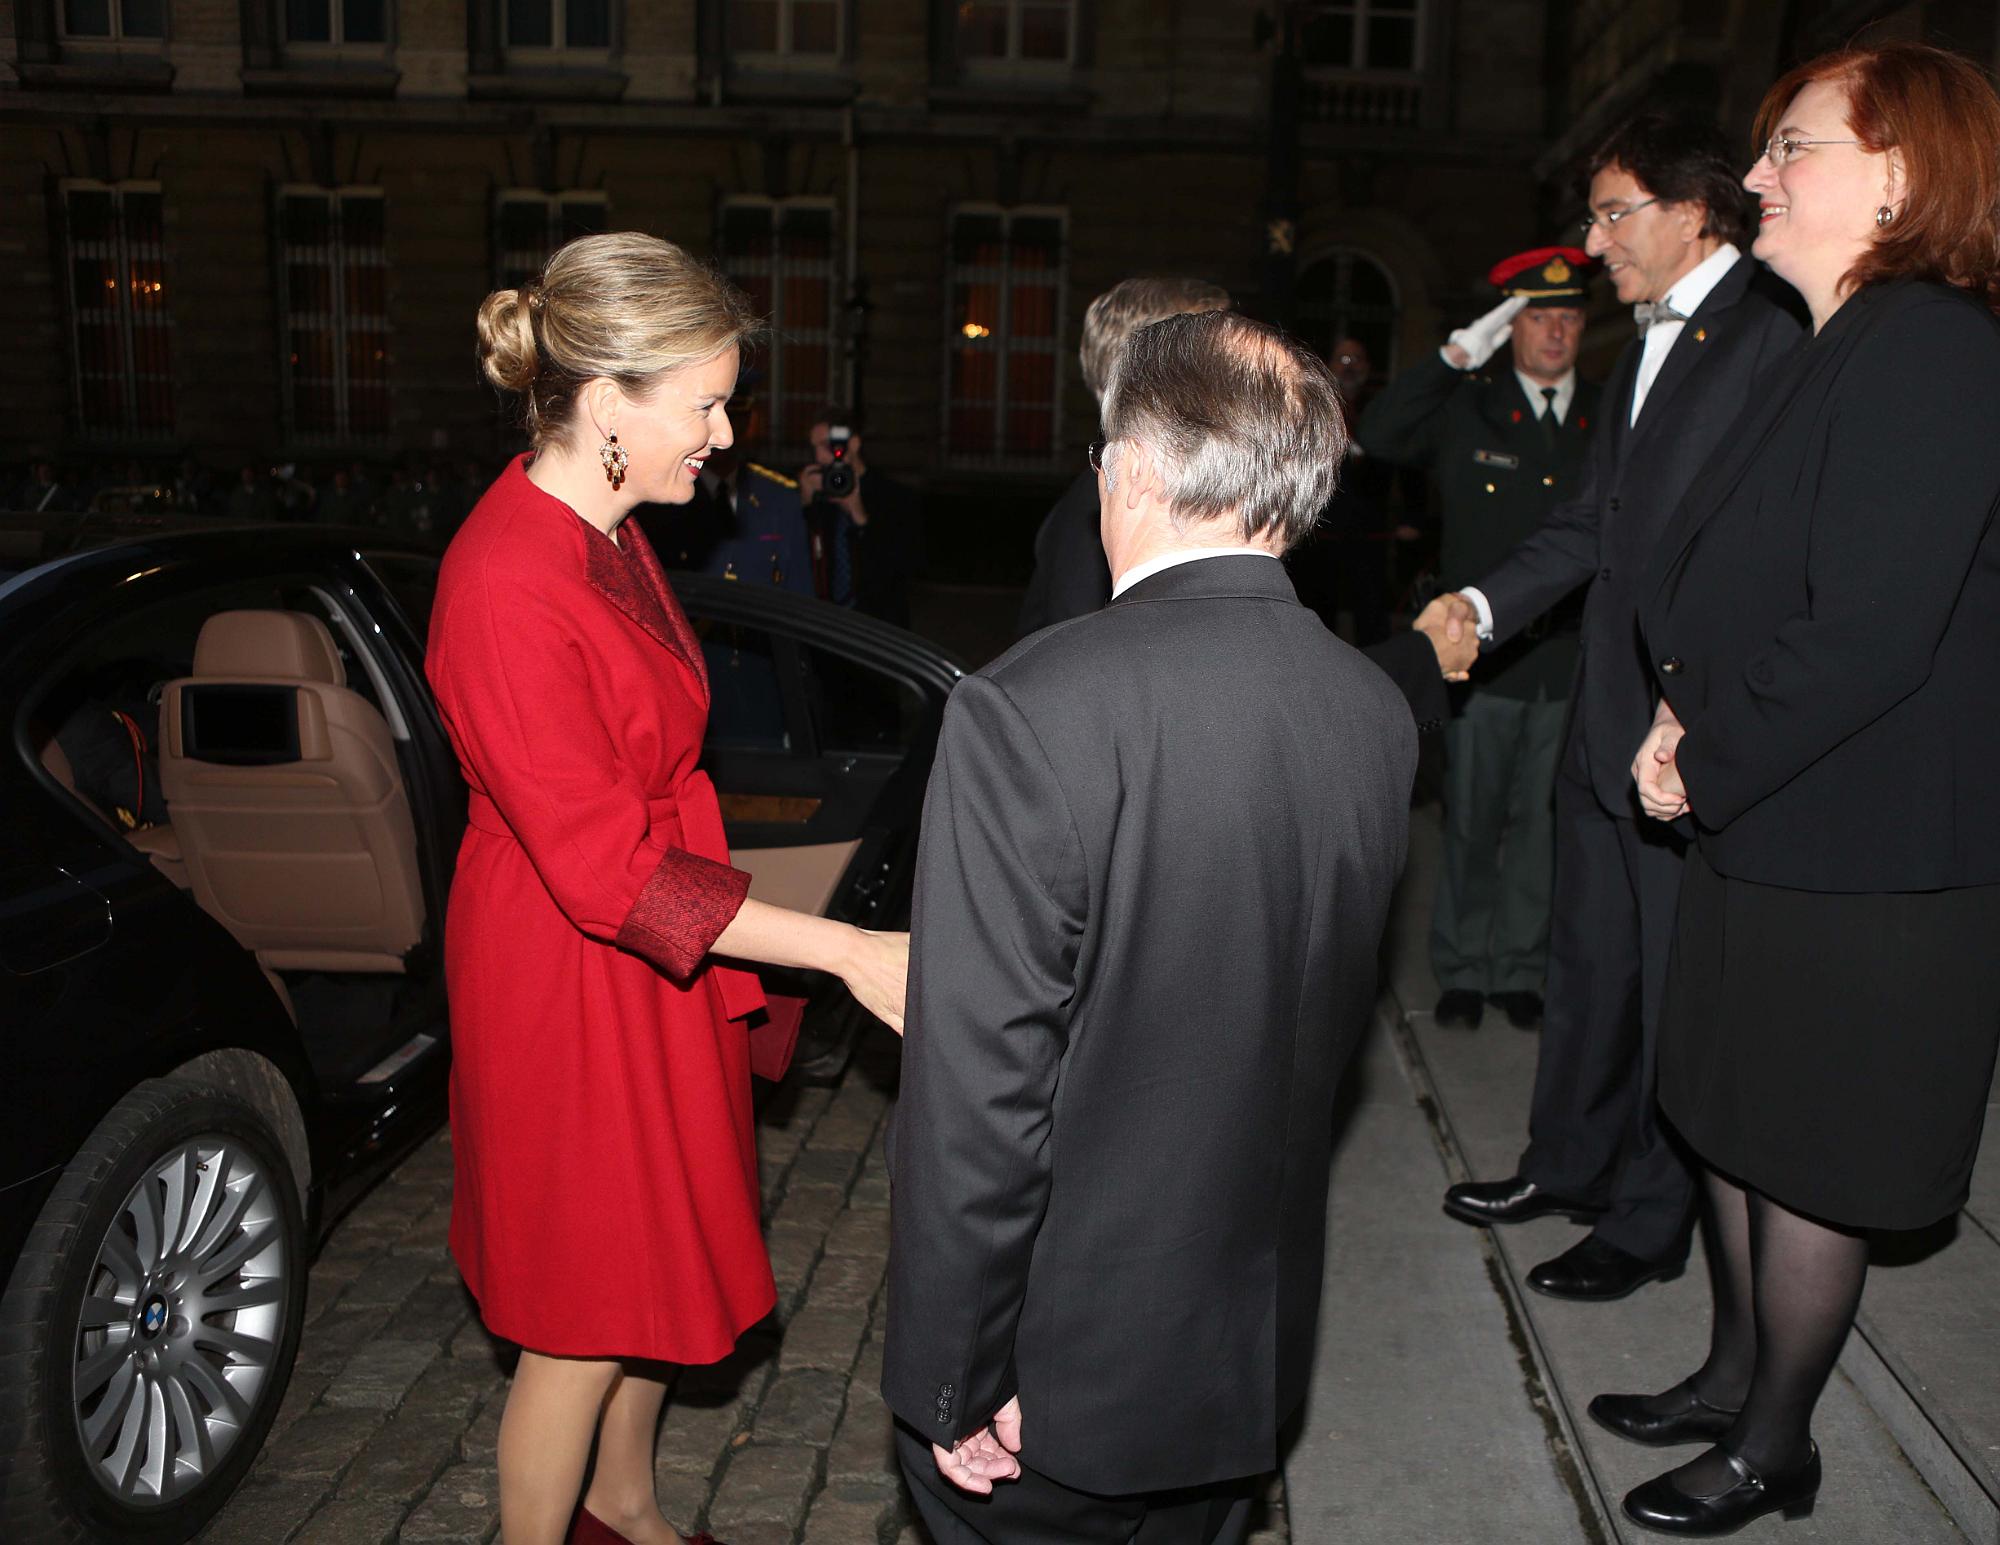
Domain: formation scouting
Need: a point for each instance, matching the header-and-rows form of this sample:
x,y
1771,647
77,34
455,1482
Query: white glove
x,y
1478,341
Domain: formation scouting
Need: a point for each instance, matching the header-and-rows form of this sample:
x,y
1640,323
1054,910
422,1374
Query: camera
x,y
837,477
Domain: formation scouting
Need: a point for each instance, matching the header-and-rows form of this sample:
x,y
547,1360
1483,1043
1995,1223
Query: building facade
x,y
259,229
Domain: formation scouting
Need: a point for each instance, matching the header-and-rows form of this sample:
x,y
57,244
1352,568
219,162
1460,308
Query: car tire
x,y
148,1330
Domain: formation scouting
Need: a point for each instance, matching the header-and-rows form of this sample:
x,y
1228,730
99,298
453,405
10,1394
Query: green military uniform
x,y
1500,473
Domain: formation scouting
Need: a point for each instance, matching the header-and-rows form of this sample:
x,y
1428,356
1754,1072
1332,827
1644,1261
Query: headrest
x,y
290,646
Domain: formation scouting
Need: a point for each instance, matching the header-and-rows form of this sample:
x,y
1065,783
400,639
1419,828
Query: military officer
x,y
745,521
1506,441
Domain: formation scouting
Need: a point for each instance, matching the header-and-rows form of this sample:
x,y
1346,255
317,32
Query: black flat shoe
x,y
1514,1200
1523,1009
1661,1505
1597,1271
1690,1419
1459,1006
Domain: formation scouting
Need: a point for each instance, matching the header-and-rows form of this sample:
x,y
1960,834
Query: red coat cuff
x,y
682,910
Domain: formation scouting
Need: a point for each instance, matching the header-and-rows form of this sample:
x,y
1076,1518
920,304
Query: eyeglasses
x,y
1610,217
1780,148
1096,454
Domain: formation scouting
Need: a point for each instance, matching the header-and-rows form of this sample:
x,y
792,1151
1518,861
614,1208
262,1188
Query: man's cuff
x,y
1485,609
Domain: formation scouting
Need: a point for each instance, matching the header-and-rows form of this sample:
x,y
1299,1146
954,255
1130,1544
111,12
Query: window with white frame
x,y
528,227
334,294
141,22
1363,35
784,31
120,335
781,254
558,26
1035,33
1347,294
1003,398
320,26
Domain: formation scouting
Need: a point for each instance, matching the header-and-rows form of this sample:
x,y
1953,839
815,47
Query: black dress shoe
x,y
1596,1270
1523,1009
1661,1505
1677,1415
1459,1006
1509,1201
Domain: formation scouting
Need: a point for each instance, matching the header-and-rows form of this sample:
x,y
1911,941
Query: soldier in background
x,y
1506,445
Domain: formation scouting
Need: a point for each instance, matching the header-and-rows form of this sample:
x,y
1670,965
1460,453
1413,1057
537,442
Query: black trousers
x,y
1594,1130
1035,1510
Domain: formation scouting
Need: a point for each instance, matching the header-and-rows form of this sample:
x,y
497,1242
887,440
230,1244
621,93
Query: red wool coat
x,y
605,1167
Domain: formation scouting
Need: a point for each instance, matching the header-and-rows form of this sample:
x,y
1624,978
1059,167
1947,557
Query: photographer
x,y
867,528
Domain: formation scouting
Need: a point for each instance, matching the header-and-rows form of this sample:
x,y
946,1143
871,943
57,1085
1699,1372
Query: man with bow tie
x,y
1669,220
1507,443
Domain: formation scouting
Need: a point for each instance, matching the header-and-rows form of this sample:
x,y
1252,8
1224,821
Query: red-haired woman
x,y
1824,619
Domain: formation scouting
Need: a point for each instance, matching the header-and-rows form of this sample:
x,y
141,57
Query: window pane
x,y
524,226
306,219
144,18
1392,42
747,231
1368,285
588,24
1329,40
982,30
976,240
531,23
581,217
857,708
1045,32
89,214
746,708
364,21
309,21
753,26
361,220
815,26
87,18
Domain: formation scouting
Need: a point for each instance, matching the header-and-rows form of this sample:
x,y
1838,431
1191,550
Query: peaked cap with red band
x,y
1547,276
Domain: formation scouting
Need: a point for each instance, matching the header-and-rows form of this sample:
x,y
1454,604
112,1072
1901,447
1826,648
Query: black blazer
x,y
1157,857
1824,610
1633,480
1072,577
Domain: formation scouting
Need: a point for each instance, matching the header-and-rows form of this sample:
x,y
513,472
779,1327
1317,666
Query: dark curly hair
x,y
1680,160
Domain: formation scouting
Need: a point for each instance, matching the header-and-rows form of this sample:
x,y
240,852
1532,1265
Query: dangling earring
x,y
612,454
1884,217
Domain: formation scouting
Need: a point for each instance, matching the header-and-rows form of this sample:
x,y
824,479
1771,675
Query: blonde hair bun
x,y
623,306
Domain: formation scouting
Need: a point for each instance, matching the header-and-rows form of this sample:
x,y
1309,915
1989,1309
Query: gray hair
x,y
1133,303
1241,419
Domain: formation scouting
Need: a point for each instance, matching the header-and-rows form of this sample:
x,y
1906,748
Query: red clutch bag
x,y
773,1036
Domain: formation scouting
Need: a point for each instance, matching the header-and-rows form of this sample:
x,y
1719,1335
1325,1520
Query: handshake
x,y
1451,623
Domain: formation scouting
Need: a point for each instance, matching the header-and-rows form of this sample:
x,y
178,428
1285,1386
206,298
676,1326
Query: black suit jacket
x,y
1156,860
1633,481
1072,577
1824,611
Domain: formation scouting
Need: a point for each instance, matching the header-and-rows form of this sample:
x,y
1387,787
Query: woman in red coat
x,y
605,1211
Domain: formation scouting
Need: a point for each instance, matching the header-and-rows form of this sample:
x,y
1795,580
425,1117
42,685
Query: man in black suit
x,y
1157,857
1669,221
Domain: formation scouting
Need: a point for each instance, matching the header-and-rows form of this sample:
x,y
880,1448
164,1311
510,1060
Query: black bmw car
x,y
224,859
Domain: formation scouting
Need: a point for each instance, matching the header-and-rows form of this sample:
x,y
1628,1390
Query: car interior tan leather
x,y
159,843
291,816
802,879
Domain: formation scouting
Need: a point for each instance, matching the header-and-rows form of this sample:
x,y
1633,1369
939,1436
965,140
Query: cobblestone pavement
x,y
387,1431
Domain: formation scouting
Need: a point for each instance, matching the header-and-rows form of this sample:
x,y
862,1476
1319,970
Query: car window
x,y
857,708
411,580
746,710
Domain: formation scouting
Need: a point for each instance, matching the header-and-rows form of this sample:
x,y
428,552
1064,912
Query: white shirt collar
x,y
1153,566
1565,393
1692,288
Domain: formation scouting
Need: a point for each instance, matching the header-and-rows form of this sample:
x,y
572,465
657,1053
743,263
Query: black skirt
x,y
1833,1051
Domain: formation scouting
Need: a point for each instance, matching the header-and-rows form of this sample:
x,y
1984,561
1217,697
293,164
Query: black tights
x,y
1786,1289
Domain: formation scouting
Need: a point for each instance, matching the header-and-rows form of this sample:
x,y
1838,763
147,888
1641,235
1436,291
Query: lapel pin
x,y
1701,335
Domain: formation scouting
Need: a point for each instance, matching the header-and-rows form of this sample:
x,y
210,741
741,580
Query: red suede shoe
x,y
588,1529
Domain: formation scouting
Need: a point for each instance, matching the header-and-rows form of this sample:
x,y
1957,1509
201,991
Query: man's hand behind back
x,y
987,1456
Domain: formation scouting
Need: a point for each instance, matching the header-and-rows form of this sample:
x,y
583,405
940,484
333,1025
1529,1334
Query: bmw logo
x,y
154,1318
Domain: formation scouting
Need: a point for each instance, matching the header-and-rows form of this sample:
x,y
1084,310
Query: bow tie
x,y
1647,312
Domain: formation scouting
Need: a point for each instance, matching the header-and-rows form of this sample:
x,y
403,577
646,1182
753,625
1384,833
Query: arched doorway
x,y
1343,293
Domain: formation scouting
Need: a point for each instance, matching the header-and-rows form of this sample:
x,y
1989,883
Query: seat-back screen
x,y
240,726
